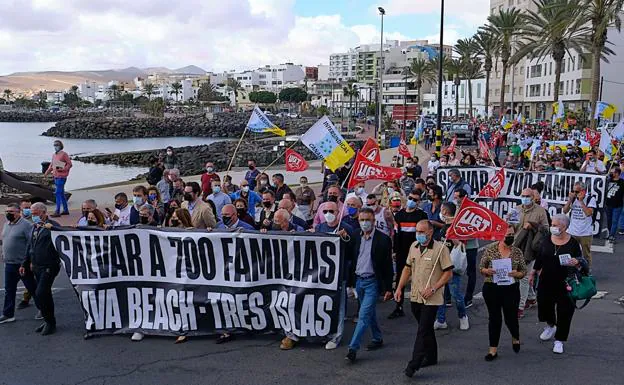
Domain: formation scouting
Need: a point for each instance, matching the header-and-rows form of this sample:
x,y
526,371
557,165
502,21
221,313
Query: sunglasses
x,y
328,211
414,199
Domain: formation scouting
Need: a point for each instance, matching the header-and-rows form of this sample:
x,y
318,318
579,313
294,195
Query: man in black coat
x,y
373,271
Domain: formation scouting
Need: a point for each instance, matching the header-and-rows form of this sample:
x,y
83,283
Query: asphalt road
x,y
594,354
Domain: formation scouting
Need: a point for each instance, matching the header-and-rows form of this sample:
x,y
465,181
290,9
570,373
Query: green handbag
x,y
581,287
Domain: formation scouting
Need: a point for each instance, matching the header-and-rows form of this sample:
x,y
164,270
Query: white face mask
x,y
329,217
245,189
555,230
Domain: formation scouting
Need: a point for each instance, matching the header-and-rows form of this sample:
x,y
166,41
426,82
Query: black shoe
x,y
374,345
223,338
491,357
516,347
426,363
351,355
409,371
398,312
48,329
40,328
23,305
65,213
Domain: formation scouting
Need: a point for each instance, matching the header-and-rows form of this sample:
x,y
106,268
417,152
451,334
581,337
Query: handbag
x,y
458,257
581,287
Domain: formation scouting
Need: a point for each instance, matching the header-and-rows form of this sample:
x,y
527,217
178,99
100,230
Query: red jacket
x,y
206,182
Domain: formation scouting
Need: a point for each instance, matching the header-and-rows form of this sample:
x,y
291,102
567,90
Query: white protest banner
x,y
557,187
172,281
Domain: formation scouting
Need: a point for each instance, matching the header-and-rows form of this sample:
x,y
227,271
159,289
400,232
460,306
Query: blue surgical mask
x,y
26,212
526,200
138,201
216,189
352,211
359,190
366,226
411,204
421,238
36,219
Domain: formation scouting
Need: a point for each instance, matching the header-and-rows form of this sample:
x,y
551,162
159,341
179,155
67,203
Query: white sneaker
x,y
440,325
4,319
330,345
558,347
548,333
463,323
137,336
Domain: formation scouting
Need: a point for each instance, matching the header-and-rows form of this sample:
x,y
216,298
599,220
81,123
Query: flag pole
x,y
612,156
345,198
279,156
236,150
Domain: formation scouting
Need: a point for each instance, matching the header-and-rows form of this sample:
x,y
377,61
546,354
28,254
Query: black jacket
x,y
381,250
41,251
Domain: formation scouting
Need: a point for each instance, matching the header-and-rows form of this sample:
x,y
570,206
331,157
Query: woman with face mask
x,y
501,290
59,168
560,257
95,218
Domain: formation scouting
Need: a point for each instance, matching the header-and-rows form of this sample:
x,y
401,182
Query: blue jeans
x,y
368,292
613,219
11,279
59,194
455,289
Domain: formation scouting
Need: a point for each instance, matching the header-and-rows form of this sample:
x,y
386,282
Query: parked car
x,y
463,132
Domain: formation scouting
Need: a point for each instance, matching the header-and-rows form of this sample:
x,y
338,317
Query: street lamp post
x,y
440,79
382,12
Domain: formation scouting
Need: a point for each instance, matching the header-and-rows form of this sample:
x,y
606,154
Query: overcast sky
x,y
38,35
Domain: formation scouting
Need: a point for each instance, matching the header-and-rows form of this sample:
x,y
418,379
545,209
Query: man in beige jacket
x,y
201,212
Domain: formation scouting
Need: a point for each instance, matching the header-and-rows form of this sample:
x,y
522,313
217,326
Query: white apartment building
x,y
87,90
394,91
188,91
323,72
450,92
247,79
276,77
342,66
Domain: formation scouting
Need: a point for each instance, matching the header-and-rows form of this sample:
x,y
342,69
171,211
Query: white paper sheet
x,y
503,268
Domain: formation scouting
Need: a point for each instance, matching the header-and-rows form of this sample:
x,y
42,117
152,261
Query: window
x,y
566,87
497,92
522,70
573,63
560,88
506,89
526,92
550,71
549,88
497,74
461,92
544,89
445,90
527,72
578,86
478,90
534,90
569,64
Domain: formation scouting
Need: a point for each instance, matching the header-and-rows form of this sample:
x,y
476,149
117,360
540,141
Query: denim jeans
x,y
526,290
613,219
454,285
59,193
11,279
368,292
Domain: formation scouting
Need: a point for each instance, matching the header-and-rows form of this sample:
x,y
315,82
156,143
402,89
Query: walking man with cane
x,y
429,266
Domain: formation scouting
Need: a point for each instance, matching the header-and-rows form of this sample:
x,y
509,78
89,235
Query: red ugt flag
x,y
494,186
484,149
364,169
451,147
371,150
295,162
403,149
474,221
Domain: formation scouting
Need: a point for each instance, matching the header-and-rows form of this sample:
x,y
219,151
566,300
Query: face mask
x,y
188,197
119,207
433,159
92,223
443,217
421,238
509,240
351,211
366,226
85,214
303,184
216,189
359,190
175,223
251,167
411,204
227,220
57,148
332,198
267,204
263,182
144,220
329,217
138,201
10,217
273,184
390,190
169,153
241,212
36,219
209,169
276,227
443,163
152,197
26,212
245,189
408,165
526,200
555,230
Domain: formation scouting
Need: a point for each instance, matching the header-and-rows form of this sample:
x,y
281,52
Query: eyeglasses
x,y
328,211
414,199
525,196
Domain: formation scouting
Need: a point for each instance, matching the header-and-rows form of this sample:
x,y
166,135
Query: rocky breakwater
x,y
193,158
223,125
47,116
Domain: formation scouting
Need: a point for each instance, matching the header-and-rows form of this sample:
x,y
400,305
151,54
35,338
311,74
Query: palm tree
x,y
113,92
42,99
467,49
487,48
7,95
74,90
176,87
603,14
422,70
455,68
556,28
504,27
148,88
350,90
234,86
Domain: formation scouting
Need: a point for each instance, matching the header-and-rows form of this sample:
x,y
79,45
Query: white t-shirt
x,y
580,224
433,166
123,215
595,167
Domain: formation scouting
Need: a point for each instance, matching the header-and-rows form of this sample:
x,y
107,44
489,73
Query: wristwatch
x,y
433,290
